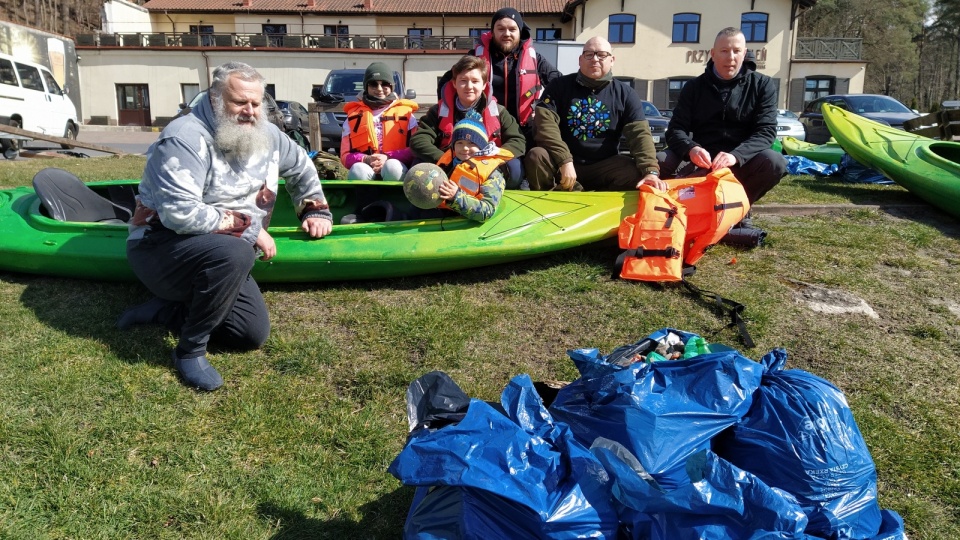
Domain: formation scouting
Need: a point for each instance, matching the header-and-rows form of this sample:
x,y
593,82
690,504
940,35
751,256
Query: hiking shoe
x,y
145,313
198,373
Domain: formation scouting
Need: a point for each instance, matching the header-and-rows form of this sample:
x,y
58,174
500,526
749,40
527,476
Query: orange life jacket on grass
x,y
673,229
395,121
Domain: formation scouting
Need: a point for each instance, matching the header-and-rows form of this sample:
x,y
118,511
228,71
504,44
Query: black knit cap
x,y
507,13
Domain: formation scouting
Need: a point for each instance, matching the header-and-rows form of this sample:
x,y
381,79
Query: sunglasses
x,y
380,84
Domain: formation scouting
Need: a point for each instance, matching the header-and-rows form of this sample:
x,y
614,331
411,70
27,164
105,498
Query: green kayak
x,y
527,224
928,168
830,152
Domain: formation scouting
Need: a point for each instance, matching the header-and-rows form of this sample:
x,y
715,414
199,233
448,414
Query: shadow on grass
x,y
600,254
891,199
89,309
382,518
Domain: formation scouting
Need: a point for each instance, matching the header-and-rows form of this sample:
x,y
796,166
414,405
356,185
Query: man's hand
x,y
266,244
653,181
700,157
448,190
723,160
568,176
316,227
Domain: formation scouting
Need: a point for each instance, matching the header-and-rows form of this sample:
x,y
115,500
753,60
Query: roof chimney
x,y
367,4
247,3
311,3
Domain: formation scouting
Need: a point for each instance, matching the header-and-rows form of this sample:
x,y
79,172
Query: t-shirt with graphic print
x,y
592,120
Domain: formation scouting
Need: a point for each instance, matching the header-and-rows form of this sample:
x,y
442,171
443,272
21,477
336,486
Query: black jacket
x,y
744,125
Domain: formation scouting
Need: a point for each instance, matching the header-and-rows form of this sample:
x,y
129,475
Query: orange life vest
x,y
673,229
446,113
395,121
472,173
529,86
653,238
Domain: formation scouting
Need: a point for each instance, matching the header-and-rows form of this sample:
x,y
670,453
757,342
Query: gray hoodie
x,y
190,187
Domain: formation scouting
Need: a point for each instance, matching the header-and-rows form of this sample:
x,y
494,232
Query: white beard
x,y
242,141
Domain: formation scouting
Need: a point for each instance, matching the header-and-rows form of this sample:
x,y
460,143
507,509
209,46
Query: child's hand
x,y
448,190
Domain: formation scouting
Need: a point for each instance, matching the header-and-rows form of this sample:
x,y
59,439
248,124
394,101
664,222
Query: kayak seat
x,y
375,212
66,198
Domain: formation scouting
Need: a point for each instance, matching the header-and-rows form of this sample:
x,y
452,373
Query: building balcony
x,y
276,41
818,48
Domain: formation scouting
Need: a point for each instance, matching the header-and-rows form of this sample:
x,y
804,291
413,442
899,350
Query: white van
x,y
31,99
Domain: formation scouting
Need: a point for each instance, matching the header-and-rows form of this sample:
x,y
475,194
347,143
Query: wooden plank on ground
x,y
60,140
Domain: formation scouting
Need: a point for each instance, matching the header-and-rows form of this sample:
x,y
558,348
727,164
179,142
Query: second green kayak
x,y
928,168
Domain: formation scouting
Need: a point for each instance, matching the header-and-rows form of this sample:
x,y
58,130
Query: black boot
x,y
146,313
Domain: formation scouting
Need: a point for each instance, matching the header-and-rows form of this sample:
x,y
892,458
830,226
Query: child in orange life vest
x,y
474,185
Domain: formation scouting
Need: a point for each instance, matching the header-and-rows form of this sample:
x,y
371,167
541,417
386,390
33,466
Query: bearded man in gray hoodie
x,y
201,220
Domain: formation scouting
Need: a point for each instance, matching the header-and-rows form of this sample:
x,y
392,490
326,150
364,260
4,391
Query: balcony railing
x,y
814,48
286,41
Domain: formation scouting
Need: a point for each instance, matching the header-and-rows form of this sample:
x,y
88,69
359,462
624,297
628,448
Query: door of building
x,y
133,105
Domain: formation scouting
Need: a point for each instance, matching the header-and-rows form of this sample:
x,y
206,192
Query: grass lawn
x,y
100,440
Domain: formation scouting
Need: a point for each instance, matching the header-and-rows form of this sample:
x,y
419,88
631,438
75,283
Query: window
x,y
52,86
188,92
341,30
686,28
7,75
754,27
673,91
275,33
205,31
817,87
30,77
415,37
548,34
622,28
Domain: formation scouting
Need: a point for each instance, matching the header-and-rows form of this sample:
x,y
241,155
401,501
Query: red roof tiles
x,y
437,7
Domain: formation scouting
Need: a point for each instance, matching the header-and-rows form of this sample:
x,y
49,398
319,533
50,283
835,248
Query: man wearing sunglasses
x,y
578,126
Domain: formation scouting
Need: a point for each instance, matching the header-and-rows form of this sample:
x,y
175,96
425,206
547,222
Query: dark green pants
x,y
617,173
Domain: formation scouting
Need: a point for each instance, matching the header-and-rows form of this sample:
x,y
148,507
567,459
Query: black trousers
x,y
206,278
757,176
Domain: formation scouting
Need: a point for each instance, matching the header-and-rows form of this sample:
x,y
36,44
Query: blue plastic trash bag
x,y
719,501
803,165
852,171
800,436
662,412
510,473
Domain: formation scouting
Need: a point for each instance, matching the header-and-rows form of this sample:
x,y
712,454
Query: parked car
x,y
658,124
880,108
658,127
295,116
788,125
31,99
667,112
342,86
270,106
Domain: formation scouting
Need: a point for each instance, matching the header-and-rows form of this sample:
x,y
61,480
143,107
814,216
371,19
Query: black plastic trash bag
x,y
719,501
800,436
510,473
662,412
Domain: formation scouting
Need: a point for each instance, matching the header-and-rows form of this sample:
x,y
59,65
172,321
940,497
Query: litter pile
x,y
666,438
